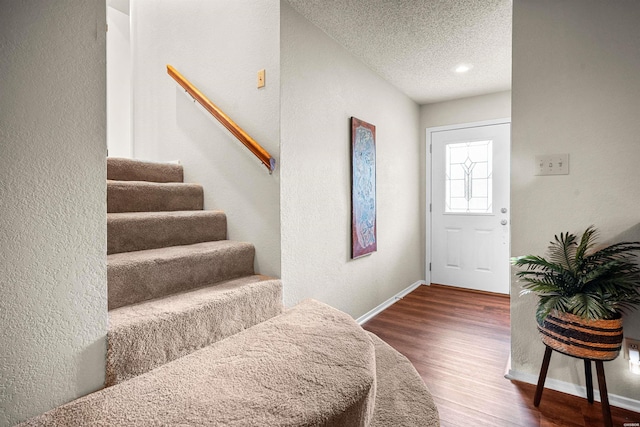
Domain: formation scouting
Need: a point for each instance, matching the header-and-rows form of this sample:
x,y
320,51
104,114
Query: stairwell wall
x,y
219,46
322,87
53,299
575,90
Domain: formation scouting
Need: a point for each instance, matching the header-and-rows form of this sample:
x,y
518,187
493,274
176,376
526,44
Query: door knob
x,y
503,210
503,222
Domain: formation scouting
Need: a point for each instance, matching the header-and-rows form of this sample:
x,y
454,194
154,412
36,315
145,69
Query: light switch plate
x,y
261,81
552,164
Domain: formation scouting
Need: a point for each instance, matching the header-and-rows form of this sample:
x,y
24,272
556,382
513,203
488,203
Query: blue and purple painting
x,y
363,188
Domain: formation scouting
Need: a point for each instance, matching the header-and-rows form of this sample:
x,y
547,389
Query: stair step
x,y
402,398
147,335
122,169
136,231
310,366
142,196
134,277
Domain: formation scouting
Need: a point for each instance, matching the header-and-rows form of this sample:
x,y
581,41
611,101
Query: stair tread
x,y
311,365
178,251
138,276
150,184
179,302
145,196
133,170
146,335
122,216
134,231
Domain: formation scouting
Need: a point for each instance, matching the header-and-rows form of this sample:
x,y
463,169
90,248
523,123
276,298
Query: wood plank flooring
x,y
458,341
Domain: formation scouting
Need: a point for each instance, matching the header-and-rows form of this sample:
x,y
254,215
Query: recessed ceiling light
x,y
463,68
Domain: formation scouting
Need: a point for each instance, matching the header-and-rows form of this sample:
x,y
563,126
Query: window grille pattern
x,y
469,170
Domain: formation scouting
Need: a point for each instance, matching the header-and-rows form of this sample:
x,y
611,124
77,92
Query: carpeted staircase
x,y
197,338
175,283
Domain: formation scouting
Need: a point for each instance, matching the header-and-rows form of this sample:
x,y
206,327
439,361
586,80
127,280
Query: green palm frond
x,y
623,250
586,242
563,251
590,306
576,278
533,262
548,303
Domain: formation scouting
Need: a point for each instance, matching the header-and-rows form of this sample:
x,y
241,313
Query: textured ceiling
x,y
416,44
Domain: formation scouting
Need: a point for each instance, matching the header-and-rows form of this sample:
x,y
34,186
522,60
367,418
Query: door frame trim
x,y
427,226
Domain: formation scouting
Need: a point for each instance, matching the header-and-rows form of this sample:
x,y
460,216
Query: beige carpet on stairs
x,y
138,196
122,169
142,275
197,339
311,366
175,283
137,231
402,399
185,322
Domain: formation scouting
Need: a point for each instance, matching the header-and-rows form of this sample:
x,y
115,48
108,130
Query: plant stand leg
x,y
604,398
543,376
589,378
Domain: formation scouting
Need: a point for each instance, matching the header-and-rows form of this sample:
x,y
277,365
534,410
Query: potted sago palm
x,y
582,293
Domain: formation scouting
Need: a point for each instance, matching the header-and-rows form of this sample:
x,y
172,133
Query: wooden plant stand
x,y
602,385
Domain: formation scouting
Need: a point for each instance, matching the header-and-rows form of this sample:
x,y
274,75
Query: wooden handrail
x,y
231,126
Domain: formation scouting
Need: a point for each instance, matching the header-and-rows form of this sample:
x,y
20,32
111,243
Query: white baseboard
x,y
379,309
573,389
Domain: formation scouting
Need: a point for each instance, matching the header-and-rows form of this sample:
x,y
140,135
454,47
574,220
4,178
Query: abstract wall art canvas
x,y
363,188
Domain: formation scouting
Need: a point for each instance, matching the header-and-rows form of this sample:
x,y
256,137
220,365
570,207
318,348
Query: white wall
x,y
575,90
458,111
322,87
118,79
466,110
53,312
219,46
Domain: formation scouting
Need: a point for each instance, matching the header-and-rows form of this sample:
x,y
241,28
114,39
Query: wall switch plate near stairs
x,y
552,164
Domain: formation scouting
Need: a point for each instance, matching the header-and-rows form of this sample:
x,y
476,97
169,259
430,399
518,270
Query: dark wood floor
x,y
459,342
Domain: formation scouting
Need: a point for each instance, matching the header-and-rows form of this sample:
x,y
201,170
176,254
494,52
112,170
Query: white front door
x,y
470,207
